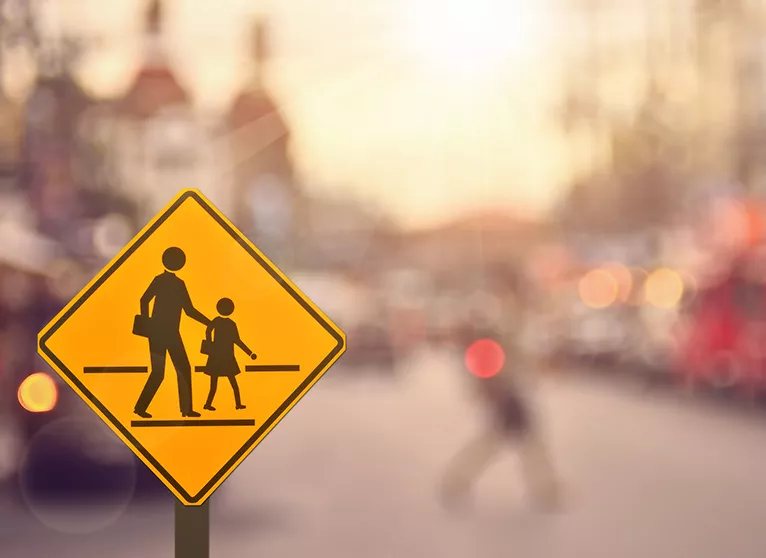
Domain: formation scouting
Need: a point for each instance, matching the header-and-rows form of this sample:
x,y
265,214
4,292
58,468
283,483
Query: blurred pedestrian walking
x,y
507,397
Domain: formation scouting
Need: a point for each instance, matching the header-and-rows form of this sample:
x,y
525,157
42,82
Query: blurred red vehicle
x,y
721,338
718,339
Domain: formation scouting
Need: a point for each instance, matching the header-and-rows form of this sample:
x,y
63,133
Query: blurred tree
x,y
642,180
650,160
17,31
750,87
730,38
271,203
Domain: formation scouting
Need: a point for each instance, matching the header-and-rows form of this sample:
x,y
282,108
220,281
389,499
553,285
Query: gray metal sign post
x,y
192,530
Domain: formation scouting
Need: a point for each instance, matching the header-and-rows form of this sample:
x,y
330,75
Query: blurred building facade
x,y
459,253
161,142
132,154
66,172
348,235
271,203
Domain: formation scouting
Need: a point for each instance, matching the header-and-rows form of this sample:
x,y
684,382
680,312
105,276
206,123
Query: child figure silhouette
x,y
222,335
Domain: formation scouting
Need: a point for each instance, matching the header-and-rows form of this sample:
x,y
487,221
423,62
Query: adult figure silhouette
x,y
171,298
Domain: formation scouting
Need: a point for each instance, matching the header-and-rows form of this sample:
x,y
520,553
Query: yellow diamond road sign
x,y
191,345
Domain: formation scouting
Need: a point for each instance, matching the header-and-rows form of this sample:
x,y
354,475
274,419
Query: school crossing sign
x,y
191,345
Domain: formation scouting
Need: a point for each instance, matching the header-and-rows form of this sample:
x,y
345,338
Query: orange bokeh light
x,y
598,288
38,393
664,288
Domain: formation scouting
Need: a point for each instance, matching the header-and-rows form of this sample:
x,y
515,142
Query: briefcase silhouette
x,y
207,347
142,326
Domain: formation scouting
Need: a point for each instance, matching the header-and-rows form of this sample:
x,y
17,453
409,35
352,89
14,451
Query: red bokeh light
x,y
484,358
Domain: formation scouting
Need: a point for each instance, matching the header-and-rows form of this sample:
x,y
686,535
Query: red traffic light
x,y
484,358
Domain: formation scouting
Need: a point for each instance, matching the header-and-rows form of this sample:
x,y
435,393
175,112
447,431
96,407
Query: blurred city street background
x,y
386,154
351,472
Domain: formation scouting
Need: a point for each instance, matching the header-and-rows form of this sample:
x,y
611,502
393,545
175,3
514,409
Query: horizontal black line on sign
x,y
192,422
145,369
115,369
264,368
273,368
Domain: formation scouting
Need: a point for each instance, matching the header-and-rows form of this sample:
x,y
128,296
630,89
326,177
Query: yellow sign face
x,y
191,345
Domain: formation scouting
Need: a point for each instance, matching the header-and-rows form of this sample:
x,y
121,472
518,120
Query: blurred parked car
x,y
370,347
589,332
598,335
67,450
60,446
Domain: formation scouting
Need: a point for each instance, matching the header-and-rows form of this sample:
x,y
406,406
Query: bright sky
x,y
428,107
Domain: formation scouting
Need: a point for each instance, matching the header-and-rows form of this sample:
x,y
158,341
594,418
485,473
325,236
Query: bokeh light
x,y
624,279
110,234
598,288
484,358
664,288
38,393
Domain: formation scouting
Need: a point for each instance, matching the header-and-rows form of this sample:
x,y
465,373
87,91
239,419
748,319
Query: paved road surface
x,y
350,473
